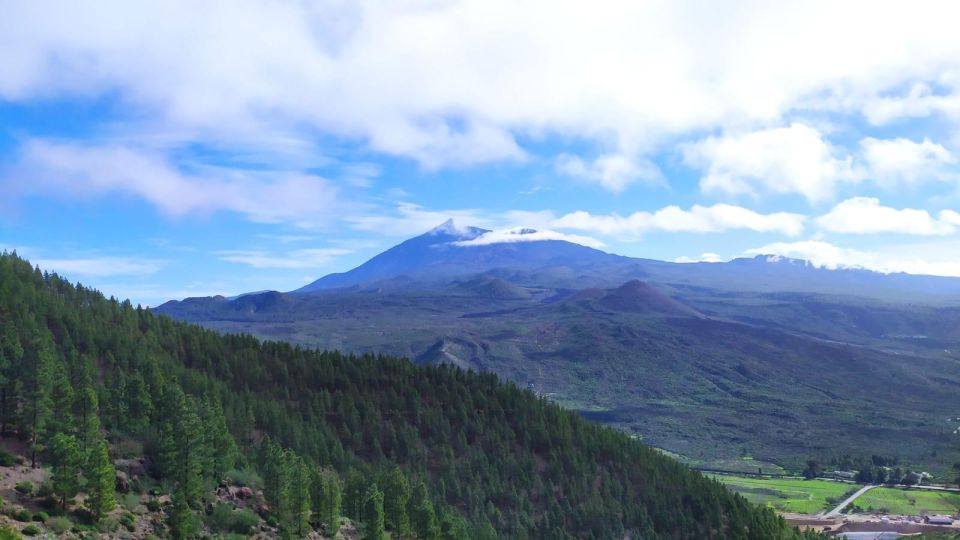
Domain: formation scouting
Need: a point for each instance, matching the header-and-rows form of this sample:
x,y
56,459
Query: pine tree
x,y
423,519
116,412
167,452
61,401
453,527
222,445
183,522
396,495
138,404
374,528
36,382
276,480
326,496
300,503
101,480
66,459
86,411
11,356
187,453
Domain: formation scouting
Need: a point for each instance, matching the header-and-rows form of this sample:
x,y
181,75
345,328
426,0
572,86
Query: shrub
x,y
41,517
9,533
128,520
22,515
107,525
244,477
59,524
225,518
221,518
7,459
244,521
30,530
129,500
24,487
45,489
153,505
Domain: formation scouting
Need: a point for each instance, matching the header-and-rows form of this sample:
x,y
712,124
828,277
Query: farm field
x,y
909,501
787,495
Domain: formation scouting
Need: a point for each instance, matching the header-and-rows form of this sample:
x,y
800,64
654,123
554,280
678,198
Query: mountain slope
x,y
654,346
450,250
708,388
499,461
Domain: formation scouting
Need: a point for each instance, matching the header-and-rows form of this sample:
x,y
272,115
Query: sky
x,y
160,150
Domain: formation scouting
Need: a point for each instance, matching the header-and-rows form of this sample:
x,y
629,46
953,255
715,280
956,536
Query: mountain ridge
x,y
449,251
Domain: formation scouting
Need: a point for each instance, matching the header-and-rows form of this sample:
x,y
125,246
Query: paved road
x,y
836,511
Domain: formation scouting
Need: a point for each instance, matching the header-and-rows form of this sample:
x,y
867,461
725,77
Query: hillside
x,y
435,450
708,375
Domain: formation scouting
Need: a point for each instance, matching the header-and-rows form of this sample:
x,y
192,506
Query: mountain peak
x,y
453,228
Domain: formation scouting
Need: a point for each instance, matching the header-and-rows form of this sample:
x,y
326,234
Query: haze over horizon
x,y
158,151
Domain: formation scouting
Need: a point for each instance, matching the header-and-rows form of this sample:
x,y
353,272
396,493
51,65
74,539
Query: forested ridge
x,y
409,451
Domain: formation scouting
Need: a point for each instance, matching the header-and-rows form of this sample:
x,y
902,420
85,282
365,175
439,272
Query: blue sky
x,y
164,151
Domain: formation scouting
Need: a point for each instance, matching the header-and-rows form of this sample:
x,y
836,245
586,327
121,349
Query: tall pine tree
x,y
373,525
101,480
66,458
423,519
396,495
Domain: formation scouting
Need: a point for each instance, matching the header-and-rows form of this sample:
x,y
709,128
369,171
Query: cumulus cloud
x,y
793,159
865,215
612,171
892,162
698,219
506,236
826,255
460,82
67,169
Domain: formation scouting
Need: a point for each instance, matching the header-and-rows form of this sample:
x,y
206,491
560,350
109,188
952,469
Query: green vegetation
x,y
493,460
782,388
909,501
787,495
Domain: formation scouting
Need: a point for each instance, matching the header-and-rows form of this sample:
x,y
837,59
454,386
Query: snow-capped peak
x,y
452,228
525,234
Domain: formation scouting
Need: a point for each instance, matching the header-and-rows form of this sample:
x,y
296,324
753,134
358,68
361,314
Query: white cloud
x,y
698,219
825,255
458,82
412,219
865,215
505,236
794,159
704,257
612,171
892,162
919,101
299,258
100,266
91,171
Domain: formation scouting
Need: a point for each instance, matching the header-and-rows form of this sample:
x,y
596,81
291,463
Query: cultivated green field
x,y
800,496
909,501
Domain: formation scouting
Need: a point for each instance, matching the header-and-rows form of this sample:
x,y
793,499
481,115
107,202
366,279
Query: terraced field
x,y
799,496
